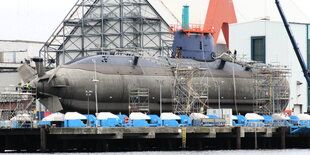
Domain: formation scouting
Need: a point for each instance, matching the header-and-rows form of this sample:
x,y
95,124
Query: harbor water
x,y
219,152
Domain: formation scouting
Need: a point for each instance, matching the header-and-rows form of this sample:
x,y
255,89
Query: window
x,y
258,46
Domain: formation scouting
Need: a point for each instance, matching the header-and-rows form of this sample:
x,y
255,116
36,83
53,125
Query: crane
x,y
294,43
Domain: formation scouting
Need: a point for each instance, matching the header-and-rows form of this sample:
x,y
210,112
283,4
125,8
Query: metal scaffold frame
x,y
139,100
108,27
270,82
271,89
190,89
13,103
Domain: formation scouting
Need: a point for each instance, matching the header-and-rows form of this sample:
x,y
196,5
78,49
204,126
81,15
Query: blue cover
x,y
92,120
122,118
139,123
294,120
240,121
170,123
197,122
110,122
253,123
46,123
22,124
268,120
74,123
212,116
185,120
155,121
301,129
304,122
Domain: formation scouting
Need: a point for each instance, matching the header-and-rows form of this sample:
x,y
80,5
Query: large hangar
x,y
110,26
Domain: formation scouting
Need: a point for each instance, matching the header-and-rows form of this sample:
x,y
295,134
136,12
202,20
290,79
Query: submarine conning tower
x,y
191,45
192,41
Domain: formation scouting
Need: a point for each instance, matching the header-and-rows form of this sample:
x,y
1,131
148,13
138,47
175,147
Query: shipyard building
x,y
14,53
267,41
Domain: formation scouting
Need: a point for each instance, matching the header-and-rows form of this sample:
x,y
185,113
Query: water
x,y
220,152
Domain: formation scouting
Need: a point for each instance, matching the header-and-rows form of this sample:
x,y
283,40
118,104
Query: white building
x,y
15,51
267,41
13,54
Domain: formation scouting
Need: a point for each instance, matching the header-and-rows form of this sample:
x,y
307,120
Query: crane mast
x,y
294,43
302,63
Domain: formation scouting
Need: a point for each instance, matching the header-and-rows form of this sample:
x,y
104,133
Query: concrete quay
x,y
103,139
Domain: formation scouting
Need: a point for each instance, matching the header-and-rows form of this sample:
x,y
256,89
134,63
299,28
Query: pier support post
x,y
282,134
199,145
42,139
270,143
183,138
238,137
2,143
139,147
229,144
106,146
170,145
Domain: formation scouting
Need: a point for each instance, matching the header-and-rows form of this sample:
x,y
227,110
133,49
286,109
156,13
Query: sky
x,y
31,19
37,19
246,10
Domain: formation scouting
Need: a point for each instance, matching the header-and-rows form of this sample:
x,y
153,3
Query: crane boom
x,y
294,43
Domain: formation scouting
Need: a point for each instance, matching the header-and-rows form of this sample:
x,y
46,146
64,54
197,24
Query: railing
x,y
197,28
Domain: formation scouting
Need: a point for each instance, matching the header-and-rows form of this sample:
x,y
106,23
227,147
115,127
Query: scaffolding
x,y
190,88
108,27
15,102
271,89
271,92
139,100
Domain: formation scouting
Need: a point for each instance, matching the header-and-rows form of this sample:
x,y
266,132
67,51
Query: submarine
x,y
63,88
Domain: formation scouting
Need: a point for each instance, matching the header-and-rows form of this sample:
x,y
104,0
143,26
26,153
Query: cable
x,y
235,91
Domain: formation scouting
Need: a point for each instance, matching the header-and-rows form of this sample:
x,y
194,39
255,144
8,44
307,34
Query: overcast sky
x,y
37,19
31,19
246,10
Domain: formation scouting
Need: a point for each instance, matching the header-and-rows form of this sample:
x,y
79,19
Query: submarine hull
x,y
115,81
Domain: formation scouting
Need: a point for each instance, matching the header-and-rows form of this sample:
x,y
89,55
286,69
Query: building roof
x,y
23,41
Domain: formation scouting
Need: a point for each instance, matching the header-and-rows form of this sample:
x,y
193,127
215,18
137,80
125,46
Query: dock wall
x,y
149,139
